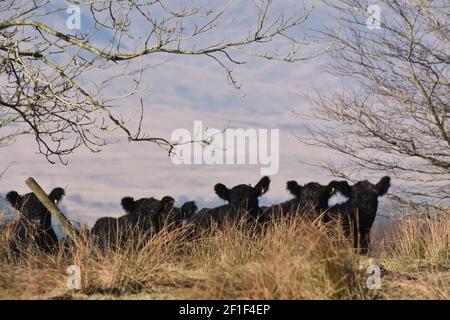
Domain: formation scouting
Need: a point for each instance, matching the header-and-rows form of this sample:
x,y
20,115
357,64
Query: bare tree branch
x,y
393,115
50,76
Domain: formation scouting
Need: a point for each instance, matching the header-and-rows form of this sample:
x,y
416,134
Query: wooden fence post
x,y
53,209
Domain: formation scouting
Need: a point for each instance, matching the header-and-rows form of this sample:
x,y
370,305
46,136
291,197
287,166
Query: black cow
x,y
179,217
35,223
142,218
309,200
145,217
242,201
365,204
357,214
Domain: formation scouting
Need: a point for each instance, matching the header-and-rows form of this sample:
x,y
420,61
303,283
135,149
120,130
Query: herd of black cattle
x,y
354,206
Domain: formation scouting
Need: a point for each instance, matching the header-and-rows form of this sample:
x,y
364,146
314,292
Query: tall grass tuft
x,y
290,259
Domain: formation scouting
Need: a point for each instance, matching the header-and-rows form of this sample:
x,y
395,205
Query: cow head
x,y
244,197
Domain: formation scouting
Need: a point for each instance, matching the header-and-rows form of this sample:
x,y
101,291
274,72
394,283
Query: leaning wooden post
x,y
52,208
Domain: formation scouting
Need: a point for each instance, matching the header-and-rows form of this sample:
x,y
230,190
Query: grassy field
x,y
291,260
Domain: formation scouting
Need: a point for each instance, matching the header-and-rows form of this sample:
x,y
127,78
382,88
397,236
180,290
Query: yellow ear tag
x,y
333,189
262,189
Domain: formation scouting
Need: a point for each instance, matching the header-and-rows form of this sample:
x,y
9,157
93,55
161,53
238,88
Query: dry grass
x,y
293,259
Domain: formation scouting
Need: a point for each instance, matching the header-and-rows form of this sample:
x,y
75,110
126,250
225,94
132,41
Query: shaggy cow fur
x,y
242,200
179,217
309,200
35,221
148,213
142,217
146,216
365,203
358,214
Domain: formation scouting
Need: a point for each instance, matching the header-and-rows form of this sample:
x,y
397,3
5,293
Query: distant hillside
x,y
7,213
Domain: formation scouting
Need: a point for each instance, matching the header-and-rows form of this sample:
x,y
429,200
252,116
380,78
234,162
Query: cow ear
x,y
222,191
168,203
56,194
12,197
294,188
383,186
128,204
262,186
